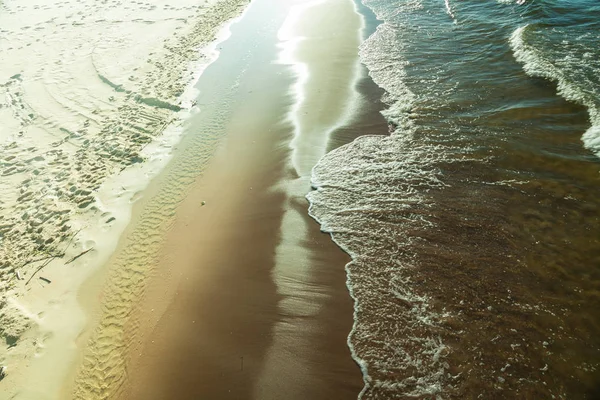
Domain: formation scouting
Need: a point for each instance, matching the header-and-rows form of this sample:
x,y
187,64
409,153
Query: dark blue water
x,y
475,227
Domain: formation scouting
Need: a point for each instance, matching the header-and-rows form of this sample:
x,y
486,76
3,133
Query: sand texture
x,y
240,296
86,91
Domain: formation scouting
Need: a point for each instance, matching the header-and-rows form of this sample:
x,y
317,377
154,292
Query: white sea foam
x,y
375,197
519,2
568,74
383,58
449,10
357,185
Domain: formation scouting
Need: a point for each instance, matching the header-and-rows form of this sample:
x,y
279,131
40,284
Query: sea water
x,y
474,226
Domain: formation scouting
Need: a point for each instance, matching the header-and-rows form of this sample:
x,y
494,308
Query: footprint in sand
x,y
40,344
136,196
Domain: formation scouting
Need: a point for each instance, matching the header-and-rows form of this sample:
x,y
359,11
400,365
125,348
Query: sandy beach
x,y
244,296
170,229
237,294
92,98
298,199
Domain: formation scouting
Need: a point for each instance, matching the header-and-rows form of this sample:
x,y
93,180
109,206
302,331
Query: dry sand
x,y
242,297
90,98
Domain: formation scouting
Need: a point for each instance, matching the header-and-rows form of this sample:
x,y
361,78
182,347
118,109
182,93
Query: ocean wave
x,y
441,275
570,64
371,196
386,67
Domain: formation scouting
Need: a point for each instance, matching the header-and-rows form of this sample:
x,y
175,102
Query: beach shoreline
x,y
239,250
231,171
298,199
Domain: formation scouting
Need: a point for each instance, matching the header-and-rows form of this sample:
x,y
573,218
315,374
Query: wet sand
x,y
239,295
225,332
219,260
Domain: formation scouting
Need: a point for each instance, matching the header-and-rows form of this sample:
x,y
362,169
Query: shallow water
x,y
474,227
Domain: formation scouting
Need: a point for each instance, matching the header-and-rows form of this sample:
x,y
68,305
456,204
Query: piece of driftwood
x,y
79,255
51,257
70,241
45,279
2,372
39,259
39,269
